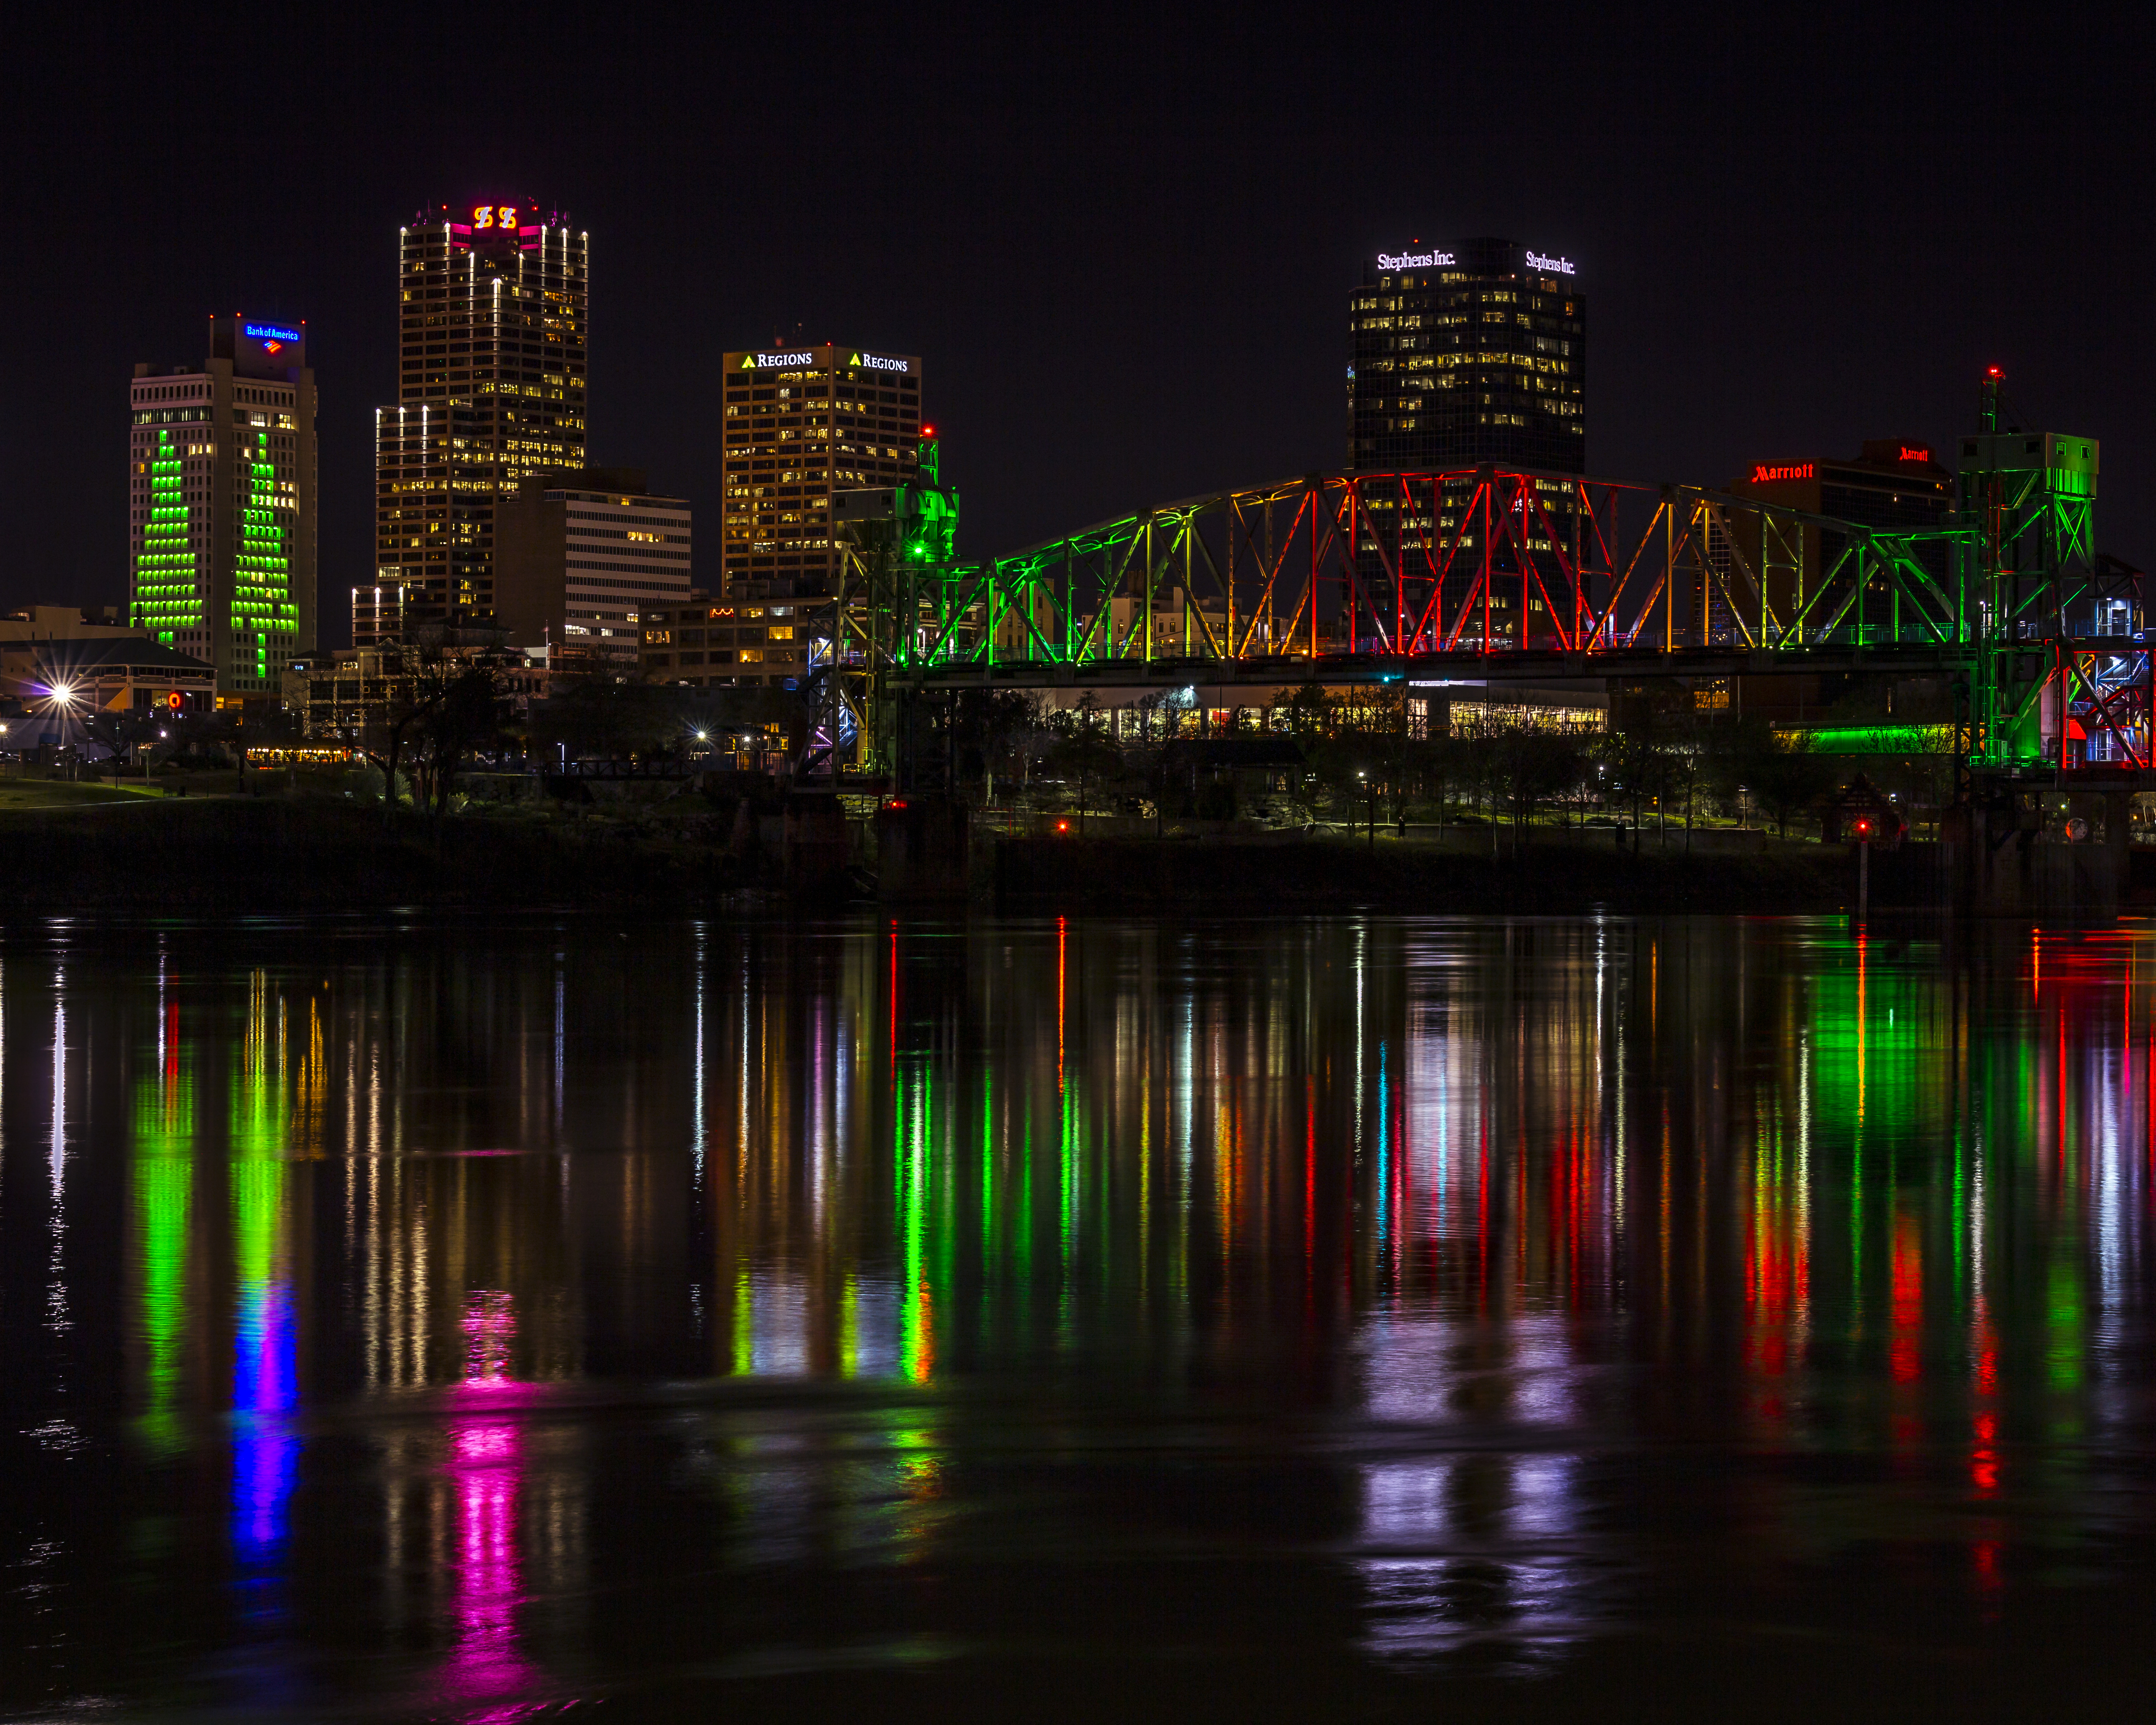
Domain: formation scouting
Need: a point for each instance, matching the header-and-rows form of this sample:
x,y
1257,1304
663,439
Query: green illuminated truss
x,y
1456,570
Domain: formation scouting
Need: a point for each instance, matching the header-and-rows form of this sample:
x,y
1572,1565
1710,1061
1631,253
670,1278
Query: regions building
x,y
581,555
1470,352
492,300
221,504
800,423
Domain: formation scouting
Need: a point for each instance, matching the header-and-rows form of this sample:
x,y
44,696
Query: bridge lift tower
x,y
895,594
2056,672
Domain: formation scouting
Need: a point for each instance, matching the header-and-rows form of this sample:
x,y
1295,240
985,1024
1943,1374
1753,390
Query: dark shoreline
x,y
241,856
1555,878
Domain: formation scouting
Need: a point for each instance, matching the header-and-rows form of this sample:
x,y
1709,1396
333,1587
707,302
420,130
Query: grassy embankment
x,y
86,847
89,847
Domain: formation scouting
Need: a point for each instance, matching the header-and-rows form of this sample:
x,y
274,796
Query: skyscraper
x,y
1472,352
493,301
800,423
221,499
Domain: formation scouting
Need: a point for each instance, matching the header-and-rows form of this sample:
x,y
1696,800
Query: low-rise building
x,y
63,663
337,696
712,645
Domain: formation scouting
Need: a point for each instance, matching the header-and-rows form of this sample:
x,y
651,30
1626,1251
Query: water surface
x,y
1382,1317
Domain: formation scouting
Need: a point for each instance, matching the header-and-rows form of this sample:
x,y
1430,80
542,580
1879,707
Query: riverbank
x,y
1336,874
243,855
239,855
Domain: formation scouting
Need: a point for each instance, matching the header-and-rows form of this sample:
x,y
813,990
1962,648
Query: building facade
x,y
1470,352
337,695
737,644
1897,485
222,503
801,422
580,556
493,302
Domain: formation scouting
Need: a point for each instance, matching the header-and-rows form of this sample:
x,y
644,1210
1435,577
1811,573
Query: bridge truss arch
x,y
1486,569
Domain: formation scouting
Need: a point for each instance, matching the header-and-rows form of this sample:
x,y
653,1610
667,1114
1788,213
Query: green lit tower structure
x,y
2028,503
897,610
221,499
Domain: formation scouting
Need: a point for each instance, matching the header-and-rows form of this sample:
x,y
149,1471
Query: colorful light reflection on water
x,y
1428,1300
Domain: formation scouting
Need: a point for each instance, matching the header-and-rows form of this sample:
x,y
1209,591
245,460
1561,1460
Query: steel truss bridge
x,y
1494,574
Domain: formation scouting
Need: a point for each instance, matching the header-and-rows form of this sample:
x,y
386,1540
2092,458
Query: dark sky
x,y
1123,241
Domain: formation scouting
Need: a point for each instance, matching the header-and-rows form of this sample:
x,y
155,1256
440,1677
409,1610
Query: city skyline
x,y
1138,301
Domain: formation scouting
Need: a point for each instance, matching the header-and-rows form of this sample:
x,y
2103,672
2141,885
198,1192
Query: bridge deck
x,y
1278,670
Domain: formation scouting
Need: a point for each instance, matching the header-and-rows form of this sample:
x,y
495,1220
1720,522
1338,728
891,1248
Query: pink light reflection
x,y
485,1669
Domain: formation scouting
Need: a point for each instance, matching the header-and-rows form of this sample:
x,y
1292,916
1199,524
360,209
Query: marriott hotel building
x,y
1463,353
801,422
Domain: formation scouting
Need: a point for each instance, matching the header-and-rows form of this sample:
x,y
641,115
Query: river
x,y
480,1319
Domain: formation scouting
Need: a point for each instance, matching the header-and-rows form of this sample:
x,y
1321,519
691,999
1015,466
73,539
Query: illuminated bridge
x,y
1488,573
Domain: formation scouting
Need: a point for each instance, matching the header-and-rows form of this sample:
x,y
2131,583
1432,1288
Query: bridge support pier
x,y
2039,853
924,849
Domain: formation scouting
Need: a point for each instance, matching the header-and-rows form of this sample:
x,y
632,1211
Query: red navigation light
x,y
1063,826
898,802
1995,372
928,431
1863,828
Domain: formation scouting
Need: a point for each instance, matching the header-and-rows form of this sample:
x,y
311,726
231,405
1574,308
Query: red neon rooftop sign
x,y
1762,474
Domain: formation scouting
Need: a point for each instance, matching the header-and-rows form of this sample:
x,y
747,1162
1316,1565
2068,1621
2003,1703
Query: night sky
x,y
1123,243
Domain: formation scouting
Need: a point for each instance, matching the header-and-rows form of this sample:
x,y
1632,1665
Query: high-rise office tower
x,y
800,423
221,496
1472,352
492,300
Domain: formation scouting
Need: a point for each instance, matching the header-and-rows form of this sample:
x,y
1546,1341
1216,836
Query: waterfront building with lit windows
x,y
580,556
732,645
800,423
492,300
221,503
1468,352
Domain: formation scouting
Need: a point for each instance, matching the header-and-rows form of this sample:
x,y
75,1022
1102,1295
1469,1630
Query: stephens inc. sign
x,y
1557,266
1414,260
